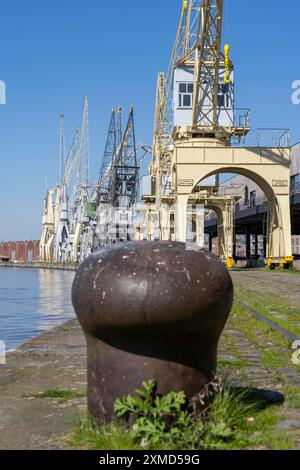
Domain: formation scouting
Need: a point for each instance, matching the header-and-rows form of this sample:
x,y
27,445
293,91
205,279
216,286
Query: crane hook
x,y
227,78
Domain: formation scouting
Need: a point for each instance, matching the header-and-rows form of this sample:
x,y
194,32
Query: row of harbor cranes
x,y
198,132
80,216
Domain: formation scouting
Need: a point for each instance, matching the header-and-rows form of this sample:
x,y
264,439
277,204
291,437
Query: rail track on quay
x,y
256,348
266,311
274,326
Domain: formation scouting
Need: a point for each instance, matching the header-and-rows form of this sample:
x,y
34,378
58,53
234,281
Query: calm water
x,y
32,301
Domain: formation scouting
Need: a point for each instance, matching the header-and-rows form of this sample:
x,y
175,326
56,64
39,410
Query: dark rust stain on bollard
x,y
150,310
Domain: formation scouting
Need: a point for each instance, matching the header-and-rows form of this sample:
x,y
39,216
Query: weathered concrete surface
x,y
55,360
59,266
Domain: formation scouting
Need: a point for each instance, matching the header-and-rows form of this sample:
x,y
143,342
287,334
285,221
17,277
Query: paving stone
x,y
288,424
268,282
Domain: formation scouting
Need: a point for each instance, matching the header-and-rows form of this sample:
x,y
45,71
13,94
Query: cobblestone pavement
x,y
56,360
283,285
255,373
263,380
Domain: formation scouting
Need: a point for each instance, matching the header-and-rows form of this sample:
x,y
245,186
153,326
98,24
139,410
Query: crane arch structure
x,y
199,132
195,160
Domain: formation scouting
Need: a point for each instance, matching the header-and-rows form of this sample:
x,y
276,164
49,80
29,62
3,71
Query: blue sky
x,y
53,53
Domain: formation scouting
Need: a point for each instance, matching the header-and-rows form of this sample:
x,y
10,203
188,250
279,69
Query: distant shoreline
x,y
57,266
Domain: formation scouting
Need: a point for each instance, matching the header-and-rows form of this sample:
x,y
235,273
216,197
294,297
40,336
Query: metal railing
x,y
265,137
242,117
243,205
231,190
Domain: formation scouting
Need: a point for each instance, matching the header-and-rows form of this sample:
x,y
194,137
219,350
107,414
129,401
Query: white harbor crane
x,y
63,211
108,213
76,219
63,238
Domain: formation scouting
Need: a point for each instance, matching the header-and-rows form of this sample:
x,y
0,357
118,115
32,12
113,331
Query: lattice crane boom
x,y
84,145
82,176
119,128
124,172
109,154
208,58
197,52
73,156
62,148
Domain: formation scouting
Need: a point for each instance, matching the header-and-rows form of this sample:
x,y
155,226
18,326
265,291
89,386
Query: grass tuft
x,y
88,434
234,420
60,394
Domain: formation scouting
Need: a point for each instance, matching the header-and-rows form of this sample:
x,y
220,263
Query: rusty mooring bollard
x,y
150,310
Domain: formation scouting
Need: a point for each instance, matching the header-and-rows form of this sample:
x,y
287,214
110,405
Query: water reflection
x,y
32,301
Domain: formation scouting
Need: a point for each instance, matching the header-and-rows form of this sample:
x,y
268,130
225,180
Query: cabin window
x,y
224,96
294,182
186,95
221,101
